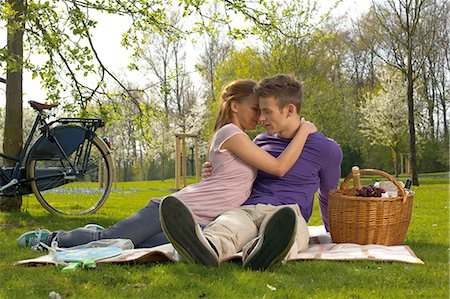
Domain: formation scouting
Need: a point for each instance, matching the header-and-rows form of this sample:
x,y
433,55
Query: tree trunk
x,y
394,152
429,90
412,129
444,103
410,97
12,136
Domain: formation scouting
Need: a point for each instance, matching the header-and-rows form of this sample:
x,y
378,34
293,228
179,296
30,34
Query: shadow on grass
x,y
17,220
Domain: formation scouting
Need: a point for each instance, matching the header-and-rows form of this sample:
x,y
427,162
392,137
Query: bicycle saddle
x,y
41,106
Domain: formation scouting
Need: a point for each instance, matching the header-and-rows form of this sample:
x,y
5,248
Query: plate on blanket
x,y
161,253
95,254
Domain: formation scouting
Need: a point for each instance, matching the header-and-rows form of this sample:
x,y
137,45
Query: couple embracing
x,y
257,197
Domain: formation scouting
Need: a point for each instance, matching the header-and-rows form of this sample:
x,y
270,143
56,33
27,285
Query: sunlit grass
x,y
428,236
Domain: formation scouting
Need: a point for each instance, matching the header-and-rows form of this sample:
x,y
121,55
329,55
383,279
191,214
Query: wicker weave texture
x,y
369,220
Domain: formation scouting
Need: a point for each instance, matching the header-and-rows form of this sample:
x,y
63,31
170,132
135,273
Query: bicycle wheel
x,y
77,190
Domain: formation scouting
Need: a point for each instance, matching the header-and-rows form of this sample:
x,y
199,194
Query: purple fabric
x,y
318,168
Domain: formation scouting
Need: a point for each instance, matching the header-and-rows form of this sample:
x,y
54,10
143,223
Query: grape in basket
x,y
369,191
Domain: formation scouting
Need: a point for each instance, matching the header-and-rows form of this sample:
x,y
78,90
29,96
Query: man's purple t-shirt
x,y
318,168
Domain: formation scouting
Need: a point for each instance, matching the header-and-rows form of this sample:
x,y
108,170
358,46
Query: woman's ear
x,y
234,106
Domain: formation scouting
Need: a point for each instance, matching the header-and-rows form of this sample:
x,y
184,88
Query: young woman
x,y
228,187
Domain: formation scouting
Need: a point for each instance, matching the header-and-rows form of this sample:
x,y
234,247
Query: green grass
x,y
428,236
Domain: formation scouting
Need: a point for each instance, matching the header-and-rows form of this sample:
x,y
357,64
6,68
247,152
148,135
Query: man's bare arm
x,y
206,170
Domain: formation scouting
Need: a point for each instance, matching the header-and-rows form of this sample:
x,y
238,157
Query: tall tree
x,y
216,48
61,30
12,141
163,58
437,69
399,28
384,117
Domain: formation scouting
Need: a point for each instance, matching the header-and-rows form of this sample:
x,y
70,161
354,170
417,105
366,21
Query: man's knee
x,y
230,231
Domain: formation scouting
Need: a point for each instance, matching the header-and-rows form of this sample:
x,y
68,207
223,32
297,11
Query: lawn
x,y
428,236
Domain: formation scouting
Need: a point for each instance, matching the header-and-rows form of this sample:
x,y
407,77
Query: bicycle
x,y
68,167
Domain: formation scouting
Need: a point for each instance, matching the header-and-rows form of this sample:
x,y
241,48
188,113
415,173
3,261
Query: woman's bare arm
x,y
245,149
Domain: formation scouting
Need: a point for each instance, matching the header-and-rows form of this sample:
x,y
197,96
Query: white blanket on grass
x,y
320,248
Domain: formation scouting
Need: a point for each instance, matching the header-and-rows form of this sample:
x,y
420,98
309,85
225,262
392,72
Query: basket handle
x,y
356,172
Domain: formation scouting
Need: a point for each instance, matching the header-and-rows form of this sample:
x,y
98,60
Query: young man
x,y
271,224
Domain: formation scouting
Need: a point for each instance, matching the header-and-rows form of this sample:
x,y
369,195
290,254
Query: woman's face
x,y
248,112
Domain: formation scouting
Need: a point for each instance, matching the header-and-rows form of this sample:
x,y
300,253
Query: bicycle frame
x,y
48,144
20,179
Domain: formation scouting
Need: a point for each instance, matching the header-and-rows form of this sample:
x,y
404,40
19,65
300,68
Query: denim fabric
x,y
142,228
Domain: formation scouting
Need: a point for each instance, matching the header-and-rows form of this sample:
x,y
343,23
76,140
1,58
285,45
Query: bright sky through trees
x,y
107,38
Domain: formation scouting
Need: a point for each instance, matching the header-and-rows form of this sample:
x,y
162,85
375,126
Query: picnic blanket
x,y
320,248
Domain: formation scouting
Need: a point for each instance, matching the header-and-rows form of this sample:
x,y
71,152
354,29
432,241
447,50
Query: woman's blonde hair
x,y
233,91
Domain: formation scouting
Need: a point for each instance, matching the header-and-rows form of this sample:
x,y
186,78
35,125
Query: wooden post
x,y
177,164
183,160
180,159
402,168
105,173
197,173
100,174
116,175
408,165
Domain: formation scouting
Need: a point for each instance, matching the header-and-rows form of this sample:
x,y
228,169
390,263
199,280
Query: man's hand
x,y
206,170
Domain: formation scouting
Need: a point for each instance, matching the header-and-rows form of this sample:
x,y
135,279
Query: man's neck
x,y
291,129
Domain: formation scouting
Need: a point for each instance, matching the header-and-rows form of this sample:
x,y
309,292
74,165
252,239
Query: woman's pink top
x,y
229,185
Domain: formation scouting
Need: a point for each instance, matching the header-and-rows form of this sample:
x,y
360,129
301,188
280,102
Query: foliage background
x,y
338,60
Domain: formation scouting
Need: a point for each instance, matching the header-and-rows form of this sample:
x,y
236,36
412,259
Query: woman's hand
x,y
307,126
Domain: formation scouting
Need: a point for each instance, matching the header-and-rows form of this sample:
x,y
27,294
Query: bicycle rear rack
x,y
97,122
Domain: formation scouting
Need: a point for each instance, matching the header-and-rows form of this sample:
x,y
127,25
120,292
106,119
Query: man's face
x,y
273,118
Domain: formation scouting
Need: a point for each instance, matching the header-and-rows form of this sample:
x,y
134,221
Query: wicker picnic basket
x,y
368,220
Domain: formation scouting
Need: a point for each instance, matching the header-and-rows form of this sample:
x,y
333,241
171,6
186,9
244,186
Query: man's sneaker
x,y
94,227
33,238
183,231
275,241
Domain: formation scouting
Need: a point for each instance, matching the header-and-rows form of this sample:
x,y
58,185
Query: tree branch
x,y
103,67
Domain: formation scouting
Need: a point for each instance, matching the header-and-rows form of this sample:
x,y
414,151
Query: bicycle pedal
x,y
10,184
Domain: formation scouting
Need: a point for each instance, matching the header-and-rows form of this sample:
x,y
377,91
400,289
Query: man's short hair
x,y
286,89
